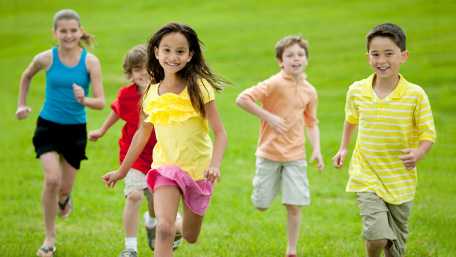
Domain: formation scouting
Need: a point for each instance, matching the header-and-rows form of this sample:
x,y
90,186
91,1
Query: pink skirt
x,y
196,194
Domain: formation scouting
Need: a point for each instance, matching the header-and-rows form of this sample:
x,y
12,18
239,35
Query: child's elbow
x,y
26,76
241,101
101,104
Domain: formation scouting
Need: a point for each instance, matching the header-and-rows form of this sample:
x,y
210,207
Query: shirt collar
x,y
368,90
291,78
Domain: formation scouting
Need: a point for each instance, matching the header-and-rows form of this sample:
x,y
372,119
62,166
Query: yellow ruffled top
x,y
169,108
182,133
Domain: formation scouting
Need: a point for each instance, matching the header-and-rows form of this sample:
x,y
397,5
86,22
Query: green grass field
x,y
239,38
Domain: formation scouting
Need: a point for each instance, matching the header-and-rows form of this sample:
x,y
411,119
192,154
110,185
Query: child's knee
x,y
165,229
52,182
293,210
190,237
135,196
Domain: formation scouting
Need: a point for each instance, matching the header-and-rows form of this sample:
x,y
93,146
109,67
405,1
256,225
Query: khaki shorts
x,y
134,181
289,178
382,220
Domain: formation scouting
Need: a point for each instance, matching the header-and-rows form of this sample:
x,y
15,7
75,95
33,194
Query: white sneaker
x,y
128,253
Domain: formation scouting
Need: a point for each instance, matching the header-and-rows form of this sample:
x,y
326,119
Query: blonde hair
x,y
135,58
288,41
69,14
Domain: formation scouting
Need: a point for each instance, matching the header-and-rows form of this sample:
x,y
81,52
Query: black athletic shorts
x,y
68,140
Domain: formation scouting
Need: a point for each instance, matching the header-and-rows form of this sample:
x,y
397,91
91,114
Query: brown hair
x,y
195,71
288,41
68,14
135,58
388,30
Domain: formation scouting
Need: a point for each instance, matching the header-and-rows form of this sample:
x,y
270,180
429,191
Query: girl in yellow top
x,y
180,108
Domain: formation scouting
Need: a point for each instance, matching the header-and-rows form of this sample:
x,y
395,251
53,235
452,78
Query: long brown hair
x,y
195,71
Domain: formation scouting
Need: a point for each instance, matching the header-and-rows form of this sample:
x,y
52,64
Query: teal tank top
x,y
60,105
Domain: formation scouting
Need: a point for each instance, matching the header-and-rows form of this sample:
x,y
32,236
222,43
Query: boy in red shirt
x,y
127,107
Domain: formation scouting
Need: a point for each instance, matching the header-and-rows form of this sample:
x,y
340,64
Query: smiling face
x,y
294,60
68,33
385,57
173,52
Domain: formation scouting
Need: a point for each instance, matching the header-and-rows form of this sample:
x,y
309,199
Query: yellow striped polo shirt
x,y
385,127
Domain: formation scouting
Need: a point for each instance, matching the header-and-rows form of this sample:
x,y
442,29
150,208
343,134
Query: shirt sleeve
x,y
256,93
351,110
424,119
208,93
146,108
310,113
116,105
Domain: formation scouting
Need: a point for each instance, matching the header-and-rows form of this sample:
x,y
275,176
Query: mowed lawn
x,y
239,39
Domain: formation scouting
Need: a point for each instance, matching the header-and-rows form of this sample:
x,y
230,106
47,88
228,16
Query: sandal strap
x,y
48,249
64,204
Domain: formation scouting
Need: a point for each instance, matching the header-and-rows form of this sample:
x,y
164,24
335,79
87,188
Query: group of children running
x,y
169,108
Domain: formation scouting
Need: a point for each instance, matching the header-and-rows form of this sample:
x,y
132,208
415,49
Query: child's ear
x,y
190,57
280,63
404,56
156,52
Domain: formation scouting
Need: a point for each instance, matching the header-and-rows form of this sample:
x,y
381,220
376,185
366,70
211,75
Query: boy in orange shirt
x,y
288,106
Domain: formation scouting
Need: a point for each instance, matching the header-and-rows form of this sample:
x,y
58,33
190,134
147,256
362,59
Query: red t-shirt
x,y
127,107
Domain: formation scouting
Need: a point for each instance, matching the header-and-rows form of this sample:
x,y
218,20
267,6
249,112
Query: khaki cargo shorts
x,y
288,178
134,181
382,220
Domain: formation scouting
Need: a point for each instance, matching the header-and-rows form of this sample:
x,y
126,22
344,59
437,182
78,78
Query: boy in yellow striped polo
x,y
395,130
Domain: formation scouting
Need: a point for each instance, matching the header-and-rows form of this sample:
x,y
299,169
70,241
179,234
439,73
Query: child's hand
x,y
94,135
22,112
111,178
78,92
410,157
212,174
338,159
276,123
317,157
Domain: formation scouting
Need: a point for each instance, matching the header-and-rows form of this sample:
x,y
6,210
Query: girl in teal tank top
x,y
60,136
60,105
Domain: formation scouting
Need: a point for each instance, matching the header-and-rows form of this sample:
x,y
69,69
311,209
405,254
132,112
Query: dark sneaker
x,y
150,232
177,240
